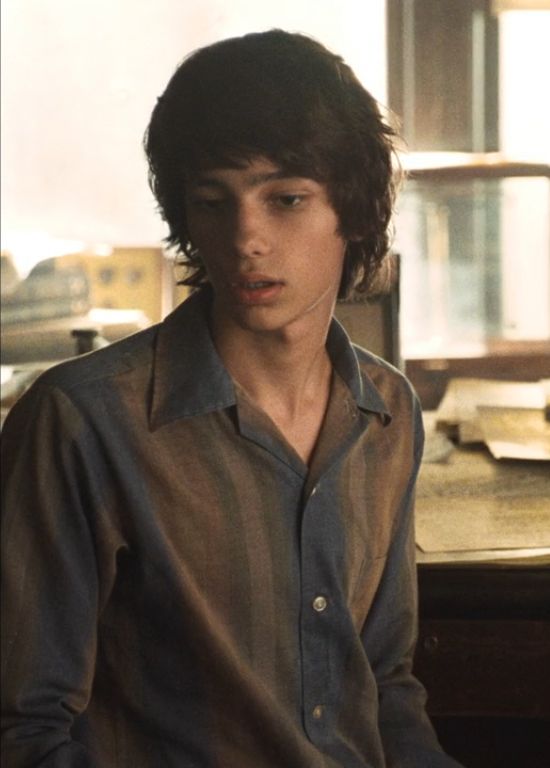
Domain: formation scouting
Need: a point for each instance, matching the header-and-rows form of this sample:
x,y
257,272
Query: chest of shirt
x,y
204,508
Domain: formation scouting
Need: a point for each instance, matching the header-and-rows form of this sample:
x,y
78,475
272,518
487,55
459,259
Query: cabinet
x,y
483,655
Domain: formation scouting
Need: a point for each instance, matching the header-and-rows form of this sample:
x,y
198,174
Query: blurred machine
x,y
114,293
73,302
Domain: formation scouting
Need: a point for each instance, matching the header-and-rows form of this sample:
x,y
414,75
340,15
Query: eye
x,y
207,204
290,200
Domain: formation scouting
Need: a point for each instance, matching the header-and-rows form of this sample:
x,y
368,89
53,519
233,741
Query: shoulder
x,y
118,358
399,396
392,383
91,384
179,330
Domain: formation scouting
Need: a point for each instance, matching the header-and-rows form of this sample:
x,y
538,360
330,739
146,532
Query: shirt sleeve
x,y
49,581
389,637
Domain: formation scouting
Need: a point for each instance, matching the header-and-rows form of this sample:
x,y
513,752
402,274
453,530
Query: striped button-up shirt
x,y
182,591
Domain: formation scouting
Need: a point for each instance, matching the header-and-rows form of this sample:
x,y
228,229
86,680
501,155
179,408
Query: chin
x,y
256,324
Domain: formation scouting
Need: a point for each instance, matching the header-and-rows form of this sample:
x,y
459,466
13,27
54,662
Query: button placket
x,y
317,622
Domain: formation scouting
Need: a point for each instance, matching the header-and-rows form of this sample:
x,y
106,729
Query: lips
x,y
256,285
254,289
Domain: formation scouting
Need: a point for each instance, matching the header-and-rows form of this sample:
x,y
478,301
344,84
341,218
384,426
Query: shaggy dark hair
x,y
284,97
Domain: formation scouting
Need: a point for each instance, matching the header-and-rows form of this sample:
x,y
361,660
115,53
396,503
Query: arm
x,y
389,637
49,584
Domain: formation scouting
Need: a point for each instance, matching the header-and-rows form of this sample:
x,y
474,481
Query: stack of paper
x,y
508,416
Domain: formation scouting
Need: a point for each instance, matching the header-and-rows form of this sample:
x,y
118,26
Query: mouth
x,y
256,289
253,285
253,279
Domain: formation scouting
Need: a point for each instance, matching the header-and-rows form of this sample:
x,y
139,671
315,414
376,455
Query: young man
x,y
208,526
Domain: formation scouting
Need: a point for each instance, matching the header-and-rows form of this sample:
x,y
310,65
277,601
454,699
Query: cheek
x,y
326,231
333,251
207,237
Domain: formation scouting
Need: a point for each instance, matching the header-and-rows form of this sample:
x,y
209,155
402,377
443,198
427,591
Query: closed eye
x,y
207,203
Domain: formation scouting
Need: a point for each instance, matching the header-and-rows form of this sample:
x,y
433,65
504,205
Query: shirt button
x,y
320,603
317,712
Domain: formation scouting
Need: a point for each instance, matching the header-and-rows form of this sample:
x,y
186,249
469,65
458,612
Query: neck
x,y
286,374
287,368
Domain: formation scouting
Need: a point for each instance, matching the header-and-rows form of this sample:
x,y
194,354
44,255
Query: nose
x,y
250,231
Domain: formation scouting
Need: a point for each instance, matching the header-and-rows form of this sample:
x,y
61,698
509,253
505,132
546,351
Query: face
x,y
270,246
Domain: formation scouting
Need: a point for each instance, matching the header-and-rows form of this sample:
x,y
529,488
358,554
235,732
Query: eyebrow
x,y
256,180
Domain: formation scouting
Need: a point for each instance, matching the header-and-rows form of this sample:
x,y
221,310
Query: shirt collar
x,y
346,363
189,377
